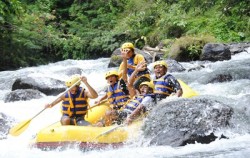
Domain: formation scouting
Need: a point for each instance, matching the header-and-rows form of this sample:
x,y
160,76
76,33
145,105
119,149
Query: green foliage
x,y
34,32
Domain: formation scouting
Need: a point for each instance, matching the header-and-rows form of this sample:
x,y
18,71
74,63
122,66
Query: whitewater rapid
x,y
18,147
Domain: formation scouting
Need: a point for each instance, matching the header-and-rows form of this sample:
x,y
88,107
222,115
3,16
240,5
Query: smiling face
x,y
144,89
160,70
74,90
111,80
128,51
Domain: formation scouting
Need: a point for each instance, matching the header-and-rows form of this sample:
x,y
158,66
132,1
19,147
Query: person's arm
x,y
139,59
54,102
91,93
124,66
140,67
145,102
179,93
134,114
177,87
132,91
101,99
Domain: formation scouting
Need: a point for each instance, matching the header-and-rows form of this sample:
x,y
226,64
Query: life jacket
x,y
75,105
162,86
116,96
134,61
135,102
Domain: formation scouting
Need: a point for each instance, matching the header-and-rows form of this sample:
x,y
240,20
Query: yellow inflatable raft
x,y
88,137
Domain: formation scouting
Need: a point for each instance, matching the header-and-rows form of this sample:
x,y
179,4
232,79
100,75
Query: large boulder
x,y
215,52
183,121
23,94
48,86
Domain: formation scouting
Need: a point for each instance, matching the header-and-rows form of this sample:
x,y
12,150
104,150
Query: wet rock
x,y
23,94
183,121
48,86
174,66
199,67
238,47
221,78
215,52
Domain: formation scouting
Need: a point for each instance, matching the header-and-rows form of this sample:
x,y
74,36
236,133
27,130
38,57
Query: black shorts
x,y
79,121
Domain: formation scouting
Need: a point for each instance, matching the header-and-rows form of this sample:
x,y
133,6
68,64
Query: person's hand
x,y
47,106
123,54
98,124
141,66
128,121
97,102
130,66
83,79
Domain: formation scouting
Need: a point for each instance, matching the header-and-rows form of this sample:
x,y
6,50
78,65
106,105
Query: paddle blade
x,y
19,128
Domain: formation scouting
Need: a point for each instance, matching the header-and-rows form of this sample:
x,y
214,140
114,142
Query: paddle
x,y
98,104
22,126
118,126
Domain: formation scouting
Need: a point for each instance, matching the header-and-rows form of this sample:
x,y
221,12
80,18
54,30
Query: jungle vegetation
x,y
34,32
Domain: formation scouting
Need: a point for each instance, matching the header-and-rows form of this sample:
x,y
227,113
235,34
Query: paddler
x,y
165,84
75,101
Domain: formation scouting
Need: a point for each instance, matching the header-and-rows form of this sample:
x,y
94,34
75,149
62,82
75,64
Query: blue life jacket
x,y
116,96
75,105
136,101
134,61
162,86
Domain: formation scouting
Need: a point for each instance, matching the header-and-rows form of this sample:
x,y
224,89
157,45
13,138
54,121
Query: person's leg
x,y
81,122
65,120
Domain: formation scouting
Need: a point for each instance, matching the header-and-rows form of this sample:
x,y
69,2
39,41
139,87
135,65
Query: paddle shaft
x,y
121,125
97,104
109,131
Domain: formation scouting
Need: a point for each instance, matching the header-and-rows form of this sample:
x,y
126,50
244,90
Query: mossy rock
x,y
188,48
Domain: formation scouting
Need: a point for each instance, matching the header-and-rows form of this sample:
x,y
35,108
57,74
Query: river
x,y
238,89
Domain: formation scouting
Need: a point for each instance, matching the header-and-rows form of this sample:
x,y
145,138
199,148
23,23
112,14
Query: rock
x,y
199,67
232,71
48,86
183,121
23,94
238,47
174,66
221,78
215,52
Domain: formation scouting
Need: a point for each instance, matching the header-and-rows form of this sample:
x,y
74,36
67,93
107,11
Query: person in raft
x,y
139,102
75,101
132,60
165,84
116,94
